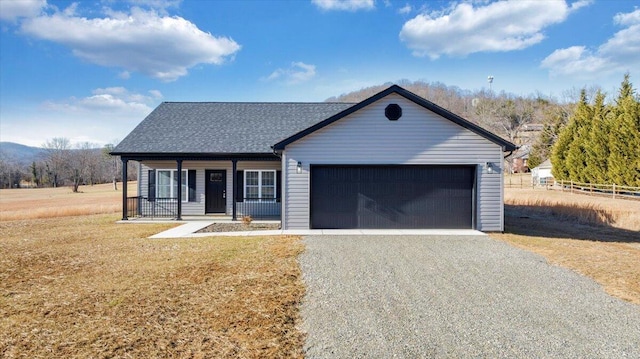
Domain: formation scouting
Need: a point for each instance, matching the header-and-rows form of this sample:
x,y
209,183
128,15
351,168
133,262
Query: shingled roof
x,y
219,128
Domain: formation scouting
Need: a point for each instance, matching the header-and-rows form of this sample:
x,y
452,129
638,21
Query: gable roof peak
x,y
506,145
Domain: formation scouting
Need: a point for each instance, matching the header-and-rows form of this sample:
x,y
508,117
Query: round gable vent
x,y
393,112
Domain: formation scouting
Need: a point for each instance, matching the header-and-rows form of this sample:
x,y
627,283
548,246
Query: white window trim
x,y
185,183
275,186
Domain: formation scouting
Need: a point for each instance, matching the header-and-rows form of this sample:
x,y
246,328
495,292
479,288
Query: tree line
x,y
64,164
587,141
600,142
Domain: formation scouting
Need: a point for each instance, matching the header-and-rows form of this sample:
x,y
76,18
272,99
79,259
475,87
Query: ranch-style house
x,y
394,160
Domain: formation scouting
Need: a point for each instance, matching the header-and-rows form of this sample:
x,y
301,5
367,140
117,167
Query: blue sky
x,y
92,70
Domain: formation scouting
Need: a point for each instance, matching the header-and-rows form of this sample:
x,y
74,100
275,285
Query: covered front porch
x,y
233,188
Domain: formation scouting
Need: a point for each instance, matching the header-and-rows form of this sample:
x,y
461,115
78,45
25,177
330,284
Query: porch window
x,y
167,184
260,185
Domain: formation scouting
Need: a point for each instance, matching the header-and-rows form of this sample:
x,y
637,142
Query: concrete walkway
x,y
188,229
183,230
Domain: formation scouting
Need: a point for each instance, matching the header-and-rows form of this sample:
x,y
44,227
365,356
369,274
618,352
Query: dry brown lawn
x,y
597,237
88,287
75,284
79,287
61,201
619,213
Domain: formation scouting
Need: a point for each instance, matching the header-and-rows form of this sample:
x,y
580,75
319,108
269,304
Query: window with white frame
x,y
259,185
167,184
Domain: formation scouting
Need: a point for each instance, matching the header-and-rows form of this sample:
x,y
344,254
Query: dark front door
x,y
215,191
392,196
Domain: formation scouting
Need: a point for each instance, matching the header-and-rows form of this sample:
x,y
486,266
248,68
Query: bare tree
x,y
81,164
94,168
57,159
10,173
513,115
114,163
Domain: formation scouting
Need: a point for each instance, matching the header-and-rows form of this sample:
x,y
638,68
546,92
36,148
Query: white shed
x,y
541,175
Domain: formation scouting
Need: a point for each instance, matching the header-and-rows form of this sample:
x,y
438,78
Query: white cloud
x,y
12,10
112,101
344,5
157,4
156,94
573,60
580,4
628,19
297,73
405,9
100,117
142,41
463,28
619,54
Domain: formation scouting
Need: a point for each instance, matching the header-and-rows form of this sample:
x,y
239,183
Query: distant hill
x,y
20,154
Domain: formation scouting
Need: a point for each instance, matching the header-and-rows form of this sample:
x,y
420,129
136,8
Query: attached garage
x,y
393,161
392,197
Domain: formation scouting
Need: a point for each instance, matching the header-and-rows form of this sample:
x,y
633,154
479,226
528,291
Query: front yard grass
x,y
75,284
565,231
85,286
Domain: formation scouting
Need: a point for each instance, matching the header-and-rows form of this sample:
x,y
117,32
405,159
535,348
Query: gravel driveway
x,y
453,296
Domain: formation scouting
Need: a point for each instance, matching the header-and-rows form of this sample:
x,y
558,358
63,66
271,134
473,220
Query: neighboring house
x,y
394,160
541,175
520,160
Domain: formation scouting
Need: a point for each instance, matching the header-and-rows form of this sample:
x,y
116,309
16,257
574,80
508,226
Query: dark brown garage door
x,y
386,197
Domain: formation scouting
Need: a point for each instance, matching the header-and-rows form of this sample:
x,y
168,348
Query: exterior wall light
x,y
491,167
299,168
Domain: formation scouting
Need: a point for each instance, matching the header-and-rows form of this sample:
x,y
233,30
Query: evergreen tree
x,y
566,157
576,154
597,142
624,138
34,174
559,155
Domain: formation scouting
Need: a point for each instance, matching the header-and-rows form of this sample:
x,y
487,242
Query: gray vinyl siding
x,y
419,137
198,206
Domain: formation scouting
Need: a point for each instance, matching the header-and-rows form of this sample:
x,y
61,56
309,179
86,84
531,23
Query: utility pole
x,y
490,79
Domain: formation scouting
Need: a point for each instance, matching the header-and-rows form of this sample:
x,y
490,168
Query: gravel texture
x,y
453,296
238,227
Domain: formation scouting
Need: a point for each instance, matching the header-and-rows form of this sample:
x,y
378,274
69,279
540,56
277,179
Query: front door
x,y
215,191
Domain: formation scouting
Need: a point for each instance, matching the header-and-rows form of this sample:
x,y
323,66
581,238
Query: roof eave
x,y
194,155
